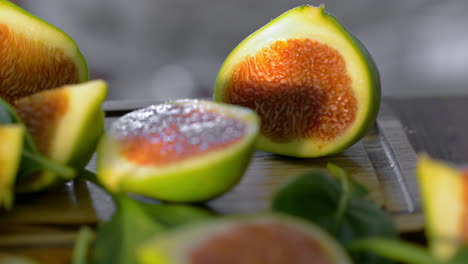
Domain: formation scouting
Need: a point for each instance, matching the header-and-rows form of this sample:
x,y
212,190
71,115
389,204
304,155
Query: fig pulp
x,y
313,84
66,124
35,55
269,238
444,191
182,151
11,146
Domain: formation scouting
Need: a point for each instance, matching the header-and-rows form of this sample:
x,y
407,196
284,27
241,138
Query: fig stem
x,y
80,250
343,202
345,185
63,171
91,177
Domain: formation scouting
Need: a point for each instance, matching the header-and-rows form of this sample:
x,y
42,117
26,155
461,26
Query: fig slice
x,y
313,84
11,146
444,191
66,124
35,55
269,238
182,151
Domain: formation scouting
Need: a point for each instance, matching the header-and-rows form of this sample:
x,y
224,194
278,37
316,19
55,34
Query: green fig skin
x,y
77,134
210,180
89,138
373,104
175,247
195,179
35,33
314,23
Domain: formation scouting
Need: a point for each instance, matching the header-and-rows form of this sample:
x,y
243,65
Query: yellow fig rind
x,y
11,147
441,188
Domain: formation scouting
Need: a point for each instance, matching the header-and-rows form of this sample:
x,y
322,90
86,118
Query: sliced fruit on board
x,y
183,151
314,84
11,146
444,191
35,55
31,160
66,124
268,238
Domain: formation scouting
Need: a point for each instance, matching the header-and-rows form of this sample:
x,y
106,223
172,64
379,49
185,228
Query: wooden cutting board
x,y
383,160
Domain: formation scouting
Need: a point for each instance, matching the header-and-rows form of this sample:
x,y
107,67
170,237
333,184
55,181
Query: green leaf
x,y
90,176
133,222
37,162
7,113
313,196
355,187
461,257
336,204
175,215
404,252
343,202
129,226
80,250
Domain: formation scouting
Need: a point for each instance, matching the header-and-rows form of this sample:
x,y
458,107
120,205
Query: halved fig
x,y
183,151
269,238
11,146
444,191
35,55
314,84
66,124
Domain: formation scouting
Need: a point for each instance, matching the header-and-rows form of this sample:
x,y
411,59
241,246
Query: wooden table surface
x,y
436,126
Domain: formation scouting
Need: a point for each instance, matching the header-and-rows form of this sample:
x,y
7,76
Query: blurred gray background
x,y
162,49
